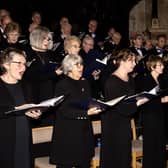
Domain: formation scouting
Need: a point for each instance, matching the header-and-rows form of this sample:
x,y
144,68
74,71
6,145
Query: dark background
x,y
107,12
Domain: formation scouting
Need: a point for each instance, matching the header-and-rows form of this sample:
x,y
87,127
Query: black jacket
x,y
73,140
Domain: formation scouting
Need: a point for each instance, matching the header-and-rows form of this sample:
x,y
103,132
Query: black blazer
x,y
73,140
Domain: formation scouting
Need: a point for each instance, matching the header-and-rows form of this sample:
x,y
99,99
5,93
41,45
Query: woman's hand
x,y
30,113
141,101
96,74
59,71
33,114
164,99
93,111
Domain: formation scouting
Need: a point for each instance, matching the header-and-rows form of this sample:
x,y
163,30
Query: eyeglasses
x,y
48,39
76,46
19,64
78,64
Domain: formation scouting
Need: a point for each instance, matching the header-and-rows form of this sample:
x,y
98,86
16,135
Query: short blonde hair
x,y
68,43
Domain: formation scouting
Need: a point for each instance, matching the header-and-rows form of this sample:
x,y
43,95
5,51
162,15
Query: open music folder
x,y
150,94
43,106
89,103
97,64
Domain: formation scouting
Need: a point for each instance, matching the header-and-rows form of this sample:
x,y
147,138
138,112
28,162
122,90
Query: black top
x,y
22,147
17,45
42,82
153,127
16,92
116,129
16,139
73,140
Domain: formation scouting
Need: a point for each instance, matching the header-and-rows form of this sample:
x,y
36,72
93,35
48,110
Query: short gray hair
x,y
69,61
7,55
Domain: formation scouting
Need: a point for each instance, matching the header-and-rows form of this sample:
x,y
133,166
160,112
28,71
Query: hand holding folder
x,y
149,95
43,106
95,65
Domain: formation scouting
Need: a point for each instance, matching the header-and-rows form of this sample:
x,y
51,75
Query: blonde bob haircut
x,y
38,35
69,61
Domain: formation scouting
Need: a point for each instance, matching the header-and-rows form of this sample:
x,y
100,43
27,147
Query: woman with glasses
x,y
73,139
43,70
72,45
12,32
154,145
15,137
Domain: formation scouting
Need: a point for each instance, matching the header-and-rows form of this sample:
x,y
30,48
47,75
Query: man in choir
x,y
160,48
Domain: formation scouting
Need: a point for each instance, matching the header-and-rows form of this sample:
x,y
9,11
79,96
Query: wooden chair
x,y
44,134
137,147
96,130
43,162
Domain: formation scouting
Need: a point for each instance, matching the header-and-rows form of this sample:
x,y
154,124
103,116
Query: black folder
x,y
85,104
150,95
137,96
97,64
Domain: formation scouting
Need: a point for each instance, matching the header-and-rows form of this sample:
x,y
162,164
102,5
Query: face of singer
x,y
158,68
15,68
76,72
13,36
87,45
46,42
129,64
138,41
161,42
74,49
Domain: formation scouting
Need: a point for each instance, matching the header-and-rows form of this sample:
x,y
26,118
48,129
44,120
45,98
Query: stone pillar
x,y
148,13
162,18
141,18
137,22
163,13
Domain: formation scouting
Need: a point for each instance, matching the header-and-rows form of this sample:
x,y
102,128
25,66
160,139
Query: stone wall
x,y
141,18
